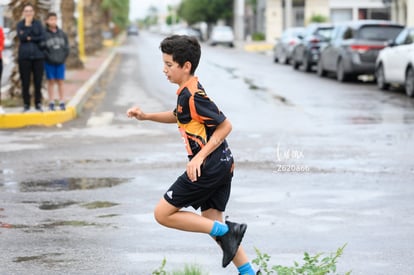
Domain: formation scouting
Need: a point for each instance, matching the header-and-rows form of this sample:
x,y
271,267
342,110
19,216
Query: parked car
x,y
8,37
282,51
132,30
306,52
354,47
395,63
222,35
188,31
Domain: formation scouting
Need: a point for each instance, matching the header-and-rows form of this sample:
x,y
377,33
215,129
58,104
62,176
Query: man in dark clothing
x,y
31,34
56,52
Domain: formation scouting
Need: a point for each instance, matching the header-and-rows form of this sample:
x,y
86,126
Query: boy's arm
x,y
163,117
221,132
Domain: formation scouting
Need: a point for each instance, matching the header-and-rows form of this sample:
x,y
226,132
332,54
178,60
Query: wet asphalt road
x,y
318,164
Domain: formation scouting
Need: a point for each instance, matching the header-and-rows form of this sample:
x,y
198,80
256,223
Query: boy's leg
x,y
60,90
50,88
171,216
216,215
60,76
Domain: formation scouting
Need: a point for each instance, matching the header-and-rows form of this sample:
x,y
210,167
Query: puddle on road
x,y
45,258
74,223
108,216
362,120
99,204
54,224
49,205
68,184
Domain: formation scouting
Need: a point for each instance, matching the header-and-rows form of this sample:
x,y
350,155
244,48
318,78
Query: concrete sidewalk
x,y
77,87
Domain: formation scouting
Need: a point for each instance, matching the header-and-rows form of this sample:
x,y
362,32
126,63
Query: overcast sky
x,y
139,8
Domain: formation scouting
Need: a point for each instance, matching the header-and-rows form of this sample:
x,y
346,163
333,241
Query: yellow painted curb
x,y
258,47
47,118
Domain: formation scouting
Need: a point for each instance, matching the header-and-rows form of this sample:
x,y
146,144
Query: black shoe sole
x,y
240,236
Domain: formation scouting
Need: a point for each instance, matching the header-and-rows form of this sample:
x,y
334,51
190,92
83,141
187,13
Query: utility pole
x,y
81,31
239,19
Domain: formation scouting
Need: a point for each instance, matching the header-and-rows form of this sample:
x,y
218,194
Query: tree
x,y
209,11
117,11
92,20
69,27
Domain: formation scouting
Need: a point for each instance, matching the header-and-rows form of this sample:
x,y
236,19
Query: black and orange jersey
x,y
197,115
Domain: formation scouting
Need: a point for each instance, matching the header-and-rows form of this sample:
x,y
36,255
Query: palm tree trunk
x,y
93,22
69,27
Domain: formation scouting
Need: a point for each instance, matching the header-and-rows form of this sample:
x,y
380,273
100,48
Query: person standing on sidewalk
x,y
206,183
56,52
31,34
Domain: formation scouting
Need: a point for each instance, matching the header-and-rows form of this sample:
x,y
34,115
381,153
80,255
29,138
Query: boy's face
x,y
52,21
174,72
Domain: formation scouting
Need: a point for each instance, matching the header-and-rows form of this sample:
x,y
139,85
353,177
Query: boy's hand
x,y
136,113
194,168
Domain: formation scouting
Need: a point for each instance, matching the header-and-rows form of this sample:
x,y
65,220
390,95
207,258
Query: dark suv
x,y
306,52
354,47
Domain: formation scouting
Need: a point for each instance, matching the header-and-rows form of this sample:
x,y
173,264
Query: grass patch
x,y
188,270
11,102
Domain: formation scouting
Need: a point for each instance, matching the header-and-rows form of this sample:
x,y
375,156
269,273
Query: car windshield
x,y
222,29
379,33
324,32
296,32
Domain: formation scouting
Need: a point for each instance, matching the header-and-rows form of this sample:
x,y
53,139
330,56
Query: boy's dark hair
x,y
51,14
183,48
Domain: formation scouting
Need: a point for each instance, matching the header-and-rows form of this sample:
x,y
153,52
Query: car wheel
x,y
341,76
282,58
320,71
409,82
275,58
306,64
294,62
379,75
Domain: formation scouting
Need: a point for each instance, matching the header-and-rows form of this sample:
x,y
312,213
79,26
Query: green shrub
x,y
188,270
258,36
318,18
312,265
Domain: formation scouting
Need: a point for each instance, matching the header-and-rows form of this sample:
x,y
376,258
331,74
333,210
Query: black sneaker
x,y
62,106
230,242
51,106
39,107
26,108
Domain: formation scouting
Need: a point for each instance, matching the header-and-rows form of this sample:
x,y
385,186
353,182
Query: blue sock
x,y
219,229
246,269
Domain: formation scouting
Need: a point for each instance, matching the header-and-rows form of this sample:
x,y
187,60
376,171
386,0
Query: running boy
x,y
206,183
56,51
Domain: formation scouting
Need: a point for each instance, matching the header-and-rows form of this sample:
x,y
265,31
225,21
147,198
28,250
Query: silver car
x,y
282,51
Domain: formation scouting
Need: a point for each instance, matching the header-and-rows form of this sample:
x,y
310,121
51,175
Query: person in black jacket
x,y
31,34
56,52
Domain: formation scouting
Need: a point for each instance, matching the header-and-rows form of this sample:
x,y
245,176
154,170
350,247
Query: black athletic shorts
x,y
212,188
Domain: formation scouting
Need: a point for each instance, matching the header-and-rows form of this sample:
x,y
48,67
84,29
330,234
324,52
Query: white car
x,y
8,37
222,35
395,63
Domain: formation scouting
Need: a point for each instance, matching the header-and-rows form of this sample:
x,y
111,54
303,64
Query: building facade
x,y
274,16
402,11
